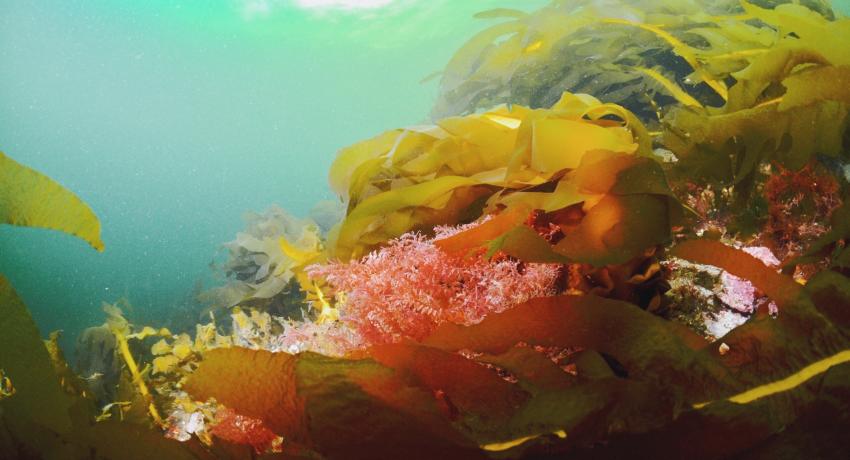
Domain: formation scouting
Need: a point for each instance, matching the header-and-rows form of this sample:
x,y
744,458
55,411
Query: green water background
x,y
173,118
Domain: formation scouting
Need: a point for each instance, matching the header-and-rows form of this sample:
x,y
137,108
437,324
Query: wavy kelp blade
x,y
680,48
349,158
472,388
607,172
420,397
639,340
817,84
560,144
782,289
532,368
342,408
728,430
617,229
226,374
31,199
802,25
482,234
830,292
672,88
394,208
728,147
527,245
38,399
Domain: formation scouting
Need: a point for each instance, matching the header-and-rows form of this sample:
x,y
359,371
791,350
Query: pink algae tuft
x,y
407,288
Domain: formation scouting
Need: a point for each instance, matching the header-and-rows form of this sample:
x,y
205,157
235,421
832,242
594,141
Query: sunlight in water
x,y
262,8
342,4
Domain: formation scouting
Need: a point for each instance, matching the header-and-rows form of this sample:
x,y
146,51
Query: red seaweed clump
x,y
408,287
799,203
241,429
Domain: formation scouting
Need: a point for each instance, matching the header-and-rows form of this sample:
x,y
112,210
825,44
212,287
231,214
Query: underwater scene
x,y
425,229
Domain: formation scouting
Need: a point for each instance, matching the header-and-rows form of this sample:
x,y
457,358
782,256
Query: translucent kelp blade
x,y
482,234
496,13
527,245
684,51
617,174
560,144
228,374
617,229
639,340
819,84
532,368
31,199
809,27
471,388
38,398
353,408
434,194
782,289
351,157
727,148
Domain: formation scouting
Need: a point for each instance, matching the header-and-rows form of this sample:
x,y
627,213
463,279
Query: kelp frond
x,y
681,49
31,199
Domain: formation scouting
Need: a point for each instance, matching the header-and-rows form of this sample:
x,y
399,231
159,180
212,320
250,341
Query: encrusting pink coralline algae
x,y
405,289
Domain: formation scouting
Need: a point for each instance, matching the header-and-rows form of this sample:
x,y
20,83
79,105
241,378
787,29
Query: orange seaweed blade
x,y
482,234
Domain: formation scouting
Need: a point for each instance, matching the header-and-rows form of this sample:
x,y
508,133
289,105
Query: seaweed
x,y
31,199
644,55
50,414
787,109
495,288
421,177
265,263
674,381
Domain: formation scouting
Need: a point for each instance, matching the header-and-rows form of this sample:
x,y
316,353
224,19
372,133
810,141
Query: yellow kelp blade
x,y
31,199
788,383
670,86
680,48
500,446
299,256
559,144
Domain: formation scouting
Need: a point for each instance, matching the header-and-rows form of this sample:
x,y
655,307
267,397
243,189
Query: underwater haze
x,y
424,229
174,118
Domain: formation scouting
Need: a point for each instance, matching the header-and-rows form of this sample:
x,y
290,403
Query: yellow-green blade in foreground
x,y
31,199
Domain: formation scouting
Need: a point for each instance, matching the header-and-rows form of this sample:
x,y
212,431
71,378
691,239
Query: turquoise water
x,y
172,119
